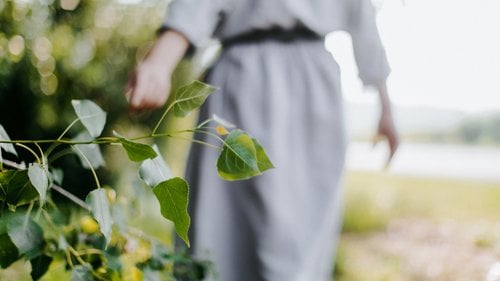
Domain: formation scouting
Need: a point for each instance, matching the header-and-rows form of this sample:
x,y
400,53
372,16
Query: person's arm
x,y
149,85
386,127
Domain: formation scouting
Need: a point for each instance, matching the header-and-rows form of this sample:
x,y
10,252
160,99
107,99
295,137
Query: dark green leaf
x,y
191,97
136,152
100,208
91,116
27,235
153,171
8,251
39,266
91,151
17,187
82,273
39,179
238,159
173,197
8,147
263,161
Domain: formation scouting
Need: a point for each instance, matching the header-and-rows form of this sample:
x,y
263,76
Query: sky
x,y
443,54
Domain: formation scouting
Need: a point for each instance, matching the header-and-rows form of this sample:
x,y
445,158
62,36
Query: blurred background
x,y
433,214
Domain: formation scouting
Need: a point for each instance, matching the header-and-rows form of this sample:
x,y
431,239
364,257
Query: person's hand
x,y
387,130
148,86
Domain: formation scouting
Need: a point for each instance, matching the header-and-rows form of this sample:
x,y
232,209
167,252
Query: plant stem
x,y
163,117
70,196
204,123
30,150
68,128
90,166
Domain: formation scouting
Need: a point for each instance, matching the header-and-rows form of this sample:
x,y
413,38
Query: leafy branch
x,y
241,157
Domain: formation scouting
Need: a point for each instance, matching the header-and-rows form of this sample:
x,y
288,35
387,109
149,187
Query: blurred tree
x,y
52,51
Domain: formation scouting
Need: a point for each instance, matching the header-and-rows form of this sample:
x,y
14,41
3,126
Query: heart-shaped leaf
x,y
191,97
101,211
242,157
26,235
91,116
153,171
39,266
238,159
136,152
173,197
39,178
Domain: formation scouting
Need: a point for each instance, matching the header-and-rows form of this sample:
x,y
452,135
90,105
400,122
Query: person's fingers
x,y
393,141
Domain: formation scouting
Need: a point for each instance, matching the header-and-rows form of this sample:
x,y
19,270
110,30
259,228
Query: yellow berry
x,y
88,225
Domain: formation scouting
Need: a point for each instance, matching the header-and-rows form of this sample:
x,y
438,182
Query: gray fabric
x,y
283,225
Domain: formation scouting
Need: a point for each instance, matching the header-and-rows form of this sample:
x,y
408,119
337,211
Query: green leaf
x,y
8,147
263,161
82,273
17,187
91,151
100,208
153,171
173,197
39,179
27,235
136,152
238,159
8,251
40,266
191,97
91,116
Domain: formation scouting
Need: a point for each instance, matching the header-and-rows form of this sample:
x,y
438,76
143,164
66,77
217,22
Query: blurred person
x,y
277,81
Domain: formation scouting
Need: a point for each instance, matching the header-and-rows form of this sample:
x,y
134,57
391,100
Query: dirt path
x,y
419,250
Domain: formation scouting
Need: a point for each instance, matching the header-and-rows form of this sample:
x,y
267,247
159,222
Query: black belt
x,y
272,34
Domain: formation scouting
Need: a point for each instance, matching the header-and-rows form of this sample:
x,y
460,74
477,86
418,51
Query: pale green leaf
x,y
238,159
101,211
191,97
173,197
153,171
26,235
136,152
39,178
8,147
91,151
91,116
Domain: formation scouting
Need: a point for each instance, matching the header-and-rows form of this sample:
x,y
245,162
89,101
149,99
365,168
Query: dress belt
x,y
272,34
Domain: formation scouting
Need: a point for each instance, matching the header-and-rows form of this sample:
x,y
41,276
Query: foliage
x,y
33,226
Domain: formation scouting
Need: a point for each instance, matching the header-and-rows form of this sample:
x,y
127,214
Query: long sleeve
x,y
368,50
195,19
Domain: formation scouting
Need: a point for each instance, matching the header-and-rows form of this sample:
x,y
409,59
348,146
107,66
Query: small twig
x,y
13,164
70,196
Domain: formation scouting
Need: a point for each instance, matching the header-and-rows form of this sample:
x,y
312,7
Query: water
x,y
429,160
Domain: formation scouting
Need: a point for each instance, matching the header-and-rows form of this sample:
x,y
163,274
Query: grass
x,y
404,228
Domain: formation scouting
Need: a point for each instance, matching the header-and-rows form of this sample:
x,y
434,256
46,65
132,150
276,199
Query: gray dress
x,y
283,225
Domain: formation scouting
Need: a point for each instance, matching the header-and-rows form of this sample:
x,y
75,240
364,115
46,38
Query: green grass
x,y
375,202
